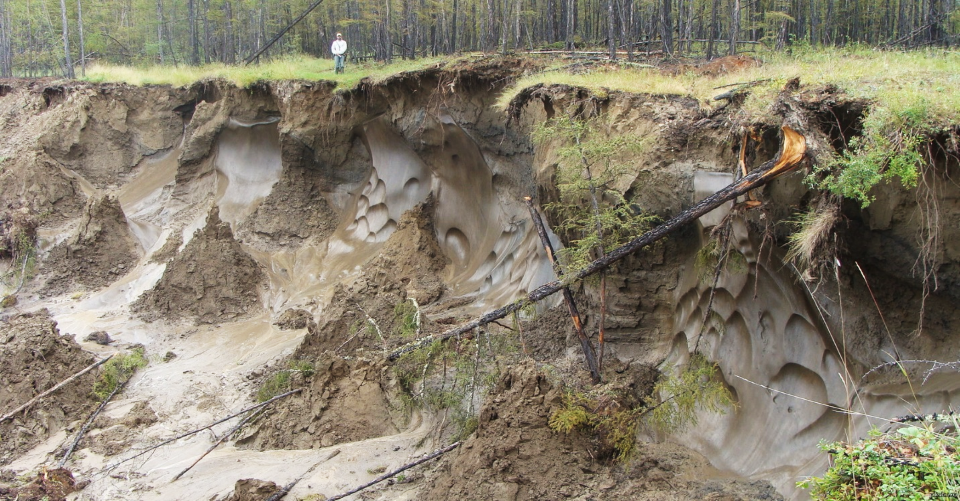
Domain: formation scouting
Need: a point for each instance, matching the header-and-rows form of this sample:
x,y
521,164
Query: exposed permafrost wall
x,y
310,185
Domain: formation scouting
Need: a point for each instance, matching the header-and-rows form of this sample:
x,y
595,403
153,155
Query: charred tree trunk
x,y
712,32
666,25
589,354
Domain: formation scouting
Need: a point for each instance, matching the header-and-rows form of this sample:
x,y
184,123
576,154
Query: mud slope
x,y
281,236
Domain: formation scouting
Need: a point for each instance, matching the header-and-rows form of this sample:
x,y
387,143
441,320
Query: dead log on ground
x,y
198,430
86,425
403,468
59,385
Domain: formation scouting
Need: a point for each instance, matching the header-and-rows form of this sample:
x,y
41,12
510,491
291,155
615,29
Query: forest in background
x,y
49,37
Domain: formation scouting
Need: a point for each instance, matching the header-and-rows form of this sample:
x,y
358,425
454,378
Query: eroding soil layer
x,y
99,252
343,401
212,280
34,357
515,456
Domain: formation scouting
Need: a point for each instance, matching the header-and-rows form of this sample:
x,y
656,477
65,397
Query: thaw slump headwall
x,y
781,358
492,250
372,155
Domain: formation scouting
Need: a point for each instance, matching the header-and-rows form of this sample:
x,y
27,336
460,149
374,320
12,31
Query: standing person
x,y
338,48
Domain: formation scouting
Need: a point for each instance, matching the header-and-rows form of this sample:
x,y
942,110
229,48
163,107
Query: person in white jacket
x,y
339,48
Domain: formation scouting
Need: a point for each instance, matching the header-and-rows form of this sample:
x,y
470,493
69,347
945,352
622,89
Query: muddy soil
x,y
34,357
514,455
342,401
212,280
98,254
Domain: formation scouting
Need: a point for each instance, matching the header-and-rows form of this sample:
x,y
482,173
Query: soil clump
x,y
34,357
50,484
211,281
344,400
99,252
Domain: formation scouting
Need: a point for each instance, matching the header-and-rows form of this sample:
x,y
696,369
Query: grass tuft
x,y
118,370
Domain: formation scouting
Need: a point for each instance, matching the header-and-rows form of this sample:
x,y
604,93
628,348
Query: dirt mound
x,y
408,266
294,318
212,280
251,489
294,211
34,357
413,255
100,252
344,400
514,455
53,484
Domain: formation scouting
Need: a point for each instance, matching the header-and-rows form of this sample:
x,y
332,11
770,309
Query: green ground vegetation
x,y
406,319
281,381
118,370
453,377
287,68
910,463
614,417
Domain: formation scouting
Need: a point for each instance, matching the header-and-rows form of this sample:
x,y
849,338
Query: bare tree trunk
x,y
160,30
734,25
229,51
6,51
712,32
194,39
453,26
68,61
83,56
386,35
571,8
206,30
490,37
666,25
611,30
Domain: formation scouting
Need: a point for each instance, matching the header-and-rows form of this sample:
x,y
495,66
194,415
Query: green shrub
x,y
406,319
890,148
614,417
911,463
118,370
608,415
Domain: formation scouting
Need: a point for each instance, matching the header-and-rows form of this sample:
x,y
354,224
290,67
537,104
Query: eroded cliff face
x,y
191,219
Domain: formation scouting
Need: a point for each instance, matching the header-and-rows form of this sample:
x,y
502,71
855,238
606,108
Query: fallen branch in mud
x,y
59,385
86,425
588,352
277,496
791,153
198,430
219,441
403,468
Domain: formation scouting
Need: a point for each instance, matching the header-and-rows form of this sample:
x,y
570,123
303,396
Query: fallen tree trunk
x,y
791,153
55,388
403,468
86,425
198,430
588,352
